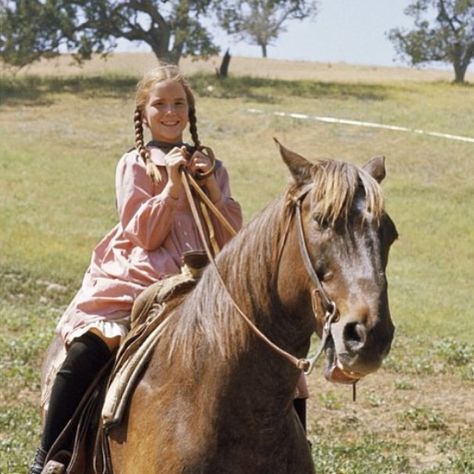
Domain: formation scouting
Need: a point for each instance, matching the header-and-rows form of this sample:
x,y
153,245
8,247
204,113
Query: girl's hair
x,y
153,77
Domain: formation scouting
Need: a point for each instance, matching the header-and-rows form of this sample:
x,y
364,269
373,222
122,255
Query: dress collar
x,y
165,146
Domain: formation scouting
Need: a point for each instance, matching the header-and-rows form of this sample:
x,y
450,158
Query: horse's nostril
x,y
354,335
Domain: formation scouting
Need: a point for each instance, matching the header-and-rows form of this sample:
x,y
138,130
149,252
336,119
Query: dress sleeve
x,y
145,218
227,206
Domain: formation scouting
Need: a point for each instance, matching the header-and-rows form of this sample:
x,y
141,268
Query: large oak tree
x,y
444,31
31,29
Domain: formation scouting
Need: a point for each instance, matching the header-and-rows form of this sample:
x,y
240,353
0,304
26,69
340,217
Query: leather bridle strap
x,y
328,304
301,364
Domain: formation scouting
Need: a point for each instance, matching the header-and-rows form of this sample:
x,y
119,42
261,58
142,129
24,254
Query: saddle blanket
x,y
149,319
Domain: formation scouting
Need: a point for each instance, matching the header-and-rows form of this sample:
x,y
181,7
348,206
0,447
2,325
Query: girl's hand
x,y
174,160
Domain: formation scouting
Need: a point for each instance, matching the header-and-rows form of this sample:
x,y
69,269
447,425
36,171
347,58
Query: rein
x,y
330,307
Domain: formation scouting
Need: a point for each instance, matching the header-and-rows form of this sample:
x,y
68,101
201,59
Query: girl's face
x,y
166,111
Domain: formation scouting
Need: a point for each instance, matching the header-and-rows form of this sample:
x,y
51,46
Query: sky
x,y
351,31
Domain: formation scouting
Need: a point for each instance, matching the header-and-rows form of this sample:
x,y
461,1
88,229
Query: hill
x,y
62,134
137,63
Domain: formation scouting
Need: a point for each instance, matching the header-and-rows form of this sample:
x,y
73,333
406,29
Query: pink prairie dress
x,y
146,245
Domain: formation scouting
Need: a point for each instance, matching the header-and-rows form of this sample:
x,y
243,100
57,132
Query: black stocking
x,y
85,357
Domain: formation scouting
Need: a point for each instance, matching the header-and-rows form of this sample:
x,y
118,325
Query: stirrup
x,y
59,464
54,467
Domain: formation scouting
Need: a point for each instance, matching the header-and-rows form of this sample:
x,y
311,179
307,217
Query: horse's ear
x,y
376,168
299,167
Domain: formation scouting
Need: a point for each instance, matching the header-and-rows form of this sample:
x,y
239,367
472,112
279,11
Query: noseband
x,y
330,307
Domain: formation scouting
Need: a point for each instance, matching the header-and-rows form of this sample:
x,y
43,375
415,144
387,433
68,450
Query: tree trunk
x,y
161,47
264,50
223,70
460,69
165,56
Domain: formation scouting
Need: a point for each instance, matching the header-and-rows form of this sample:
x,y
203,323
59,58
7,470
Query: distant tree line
x,y
31,29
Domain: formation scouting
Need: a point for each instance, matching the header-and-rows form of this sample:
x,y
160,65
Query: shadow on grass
x,y
271,90
37,90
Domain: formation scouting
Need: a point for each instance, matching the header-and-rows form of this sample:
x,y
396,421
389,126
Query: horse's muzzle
x,y
355,351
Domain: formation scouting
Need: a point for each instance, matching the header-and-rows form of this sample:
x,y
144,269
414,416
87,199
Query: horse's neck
x,y
211,332
249,268
250,263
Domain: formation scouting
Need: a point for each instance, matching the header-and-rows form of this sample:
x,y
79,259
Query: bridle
x,y
329,305
330,309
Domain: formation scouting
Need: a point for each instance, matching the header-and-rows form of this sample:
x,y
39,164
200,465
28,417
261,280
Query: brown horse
x,y
217,399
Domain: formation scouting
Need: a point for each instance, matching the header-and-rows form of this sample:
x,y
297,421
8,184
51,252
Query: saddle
x,y
104,404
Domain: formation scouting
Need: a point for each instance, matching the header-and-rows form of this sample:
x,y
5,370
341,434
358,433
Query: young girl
x,y
155,228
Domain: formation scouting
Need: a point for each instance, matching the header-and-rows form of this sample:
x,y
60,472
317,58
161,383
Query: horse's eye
x,y
328,276
321,221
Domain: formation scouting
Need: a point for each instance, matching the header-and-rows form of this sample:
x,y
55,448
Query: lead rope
x,y
301,364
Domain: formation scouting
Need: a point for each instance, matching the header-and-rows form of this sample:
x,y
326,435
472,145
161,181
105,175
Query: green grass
x,y
61,139
367,455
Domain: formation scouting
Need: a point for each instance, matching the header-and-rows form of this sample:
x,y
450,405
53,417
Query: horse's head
x,y
348,235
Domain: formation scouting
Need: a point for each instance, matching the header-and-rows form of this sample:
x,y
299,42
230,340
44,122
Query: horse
x,y
215,398
217,393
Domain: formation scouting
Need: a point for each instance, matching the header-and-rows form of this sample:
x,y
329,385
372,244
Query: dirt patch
x,y
424,415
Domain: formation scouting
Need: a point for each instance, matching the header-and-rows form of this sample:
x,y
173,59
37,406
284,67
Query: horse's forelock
x,y
335,186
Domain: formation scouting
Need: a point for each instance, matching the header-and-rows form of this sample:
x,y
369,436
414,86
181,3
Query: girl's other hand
x,y
199,164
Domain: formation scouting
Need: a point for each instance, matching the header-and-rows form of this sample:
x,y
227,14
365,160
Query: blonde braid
x,y
151,169
193,127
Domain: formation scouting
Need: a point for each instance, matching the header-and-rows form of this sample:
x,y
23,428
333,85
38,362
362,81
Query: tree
x,y
448,38
31,29
260,22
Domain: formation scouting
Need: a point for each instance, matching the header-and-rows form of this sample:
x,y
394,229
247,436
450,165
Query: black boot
x,y
85,357
38,463
300,408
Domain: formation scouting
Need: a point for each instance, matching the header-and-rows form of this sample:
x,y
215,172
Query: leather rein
x,y
304,364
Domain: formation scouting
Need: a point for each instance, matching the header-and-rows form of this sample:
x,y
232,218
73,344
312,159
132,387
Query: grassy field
x,y
62,134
